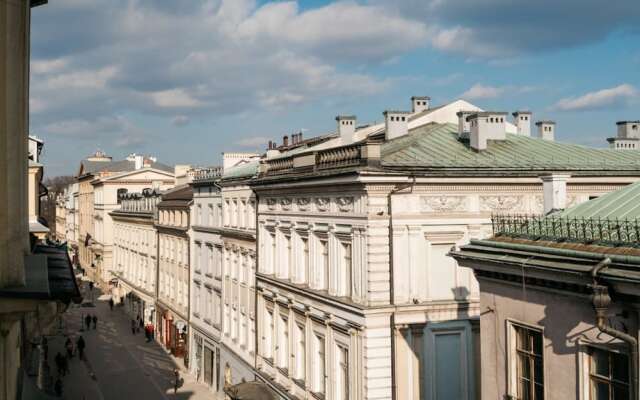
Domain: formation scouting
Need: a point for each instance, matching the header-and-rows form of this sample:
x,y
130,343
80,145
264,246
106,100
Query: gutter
x,y
601,301
392,283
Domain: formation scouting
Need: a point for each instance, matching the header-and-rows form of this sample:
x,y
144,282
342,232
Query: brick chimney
x,y
346,127
485,126
522,120
396,124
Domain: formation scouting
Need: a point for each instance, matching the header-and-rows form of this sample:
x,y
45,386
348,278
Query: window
x,y
324,263
319,383
342,373
305,260
283,343
608,375
300,353
346,270
528,363
290,263
267,335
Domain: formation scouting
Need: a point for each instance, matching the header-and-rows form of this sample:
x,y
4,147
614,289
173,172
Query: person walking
x,y
80,344
87,321
69,346
140,323
95,321
59,366
133,327
111,303
176,383
57,387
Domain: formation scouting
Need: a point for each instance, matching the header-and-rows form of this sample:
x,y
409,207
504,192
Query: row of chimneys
x,y
479,127
295,139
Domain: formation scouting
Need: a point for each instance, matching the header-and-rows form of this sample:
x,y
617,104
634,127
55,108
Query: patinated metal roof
x,y
620,204
438,145
246,170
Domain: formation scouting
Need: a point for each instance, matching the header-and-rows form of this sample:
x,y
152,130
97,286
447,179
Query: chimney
x,y
346,128
138,161
463,123
420,103
546,130
628,129
485,126
554,188
523,122
285,140
396,124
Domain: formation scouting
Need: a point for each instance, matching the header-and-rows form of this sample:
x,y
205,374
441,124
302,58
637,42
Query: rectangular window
x,y
283,343
300,353
608,375
267,334
319,385
289,256
273,253
305,260
347,268
324,264
528,363
342,373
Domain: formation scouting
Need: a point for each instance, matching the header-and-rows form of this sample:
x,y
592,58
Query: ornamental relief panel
x,y
285,203
345,204
271,203
501,203
443,203
303,203
323,203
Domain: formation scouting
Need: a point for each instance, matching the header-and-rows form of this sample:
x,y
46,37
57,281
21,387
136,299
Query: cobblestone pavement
x,y
118,365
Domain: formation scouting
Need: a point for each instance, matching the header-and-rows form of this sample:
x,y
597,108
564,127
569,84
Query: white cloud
x,y
253,142
180,120
48,66
480,91
174,98
605,98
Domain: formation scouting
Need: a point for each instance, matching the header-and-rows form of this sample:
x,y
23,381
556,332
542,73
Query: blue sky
x,y
187,80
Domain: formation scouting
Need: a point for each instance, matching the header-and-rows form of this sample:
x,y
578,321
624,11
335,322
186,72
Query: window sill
x,y
300,382
269,361
284,371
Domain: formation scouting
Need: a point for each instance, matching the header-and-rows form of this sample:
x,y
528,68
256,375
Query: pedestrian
x,y
176,374
69,346
141,323
91,286
58,387
133,327
95,321
111,303
59,366
80,344
45,348
65,365
87,321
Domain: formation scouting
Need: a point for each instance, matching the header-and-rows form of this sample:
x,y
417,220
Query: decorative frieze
x,y
285,203
271,203
443,203
345,204
500,203
323,203
303,203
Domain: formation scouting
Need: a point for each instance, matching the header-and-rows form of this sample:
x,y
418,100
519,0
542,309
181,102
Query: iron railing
x,y
610,231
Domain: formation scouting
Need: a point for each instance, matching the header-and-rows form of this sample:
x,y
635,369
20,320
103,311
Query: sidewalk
x,y
119,365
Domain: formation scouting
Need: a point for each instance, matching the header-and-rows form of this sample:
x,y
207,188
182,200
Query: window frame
x,y
512,356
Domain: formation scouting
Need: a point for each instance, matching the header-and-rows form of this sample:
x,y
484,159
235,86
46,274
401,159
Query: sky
x,y
187,80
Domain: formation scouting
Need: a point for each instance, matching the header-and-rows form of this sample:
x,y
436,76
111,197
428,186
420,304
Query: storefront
x,y
172,332
206,361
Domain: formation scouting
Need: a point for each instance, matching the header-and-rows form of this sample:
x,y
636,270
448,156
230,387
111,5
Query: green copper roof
x,y
437,146
246,170
622,204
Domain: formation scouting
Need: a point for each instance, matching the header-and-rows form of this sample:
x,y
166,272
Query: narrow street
x,y
119,365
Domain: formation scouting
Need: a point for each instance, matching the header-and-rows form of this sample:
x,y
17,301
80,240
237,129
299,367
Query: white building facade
x,y
205,311
357,296
135,253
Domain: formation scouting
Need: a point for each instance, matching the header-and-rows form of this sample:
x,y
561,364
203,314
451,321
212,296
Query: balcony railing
x,y
616,232
205,173
337,157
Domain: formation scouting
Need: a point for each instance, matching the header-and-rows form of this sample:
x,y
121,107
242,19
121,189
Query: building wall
x,y
567,322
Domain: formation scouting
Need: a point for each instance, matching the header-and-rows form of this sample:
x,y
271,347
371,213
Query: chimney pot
x,y
420,103
523,122
554,189
285,140
463,123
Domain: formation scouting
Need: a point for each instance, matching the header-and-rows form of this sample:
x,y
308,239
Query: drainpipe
x,y
601,301
391,280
